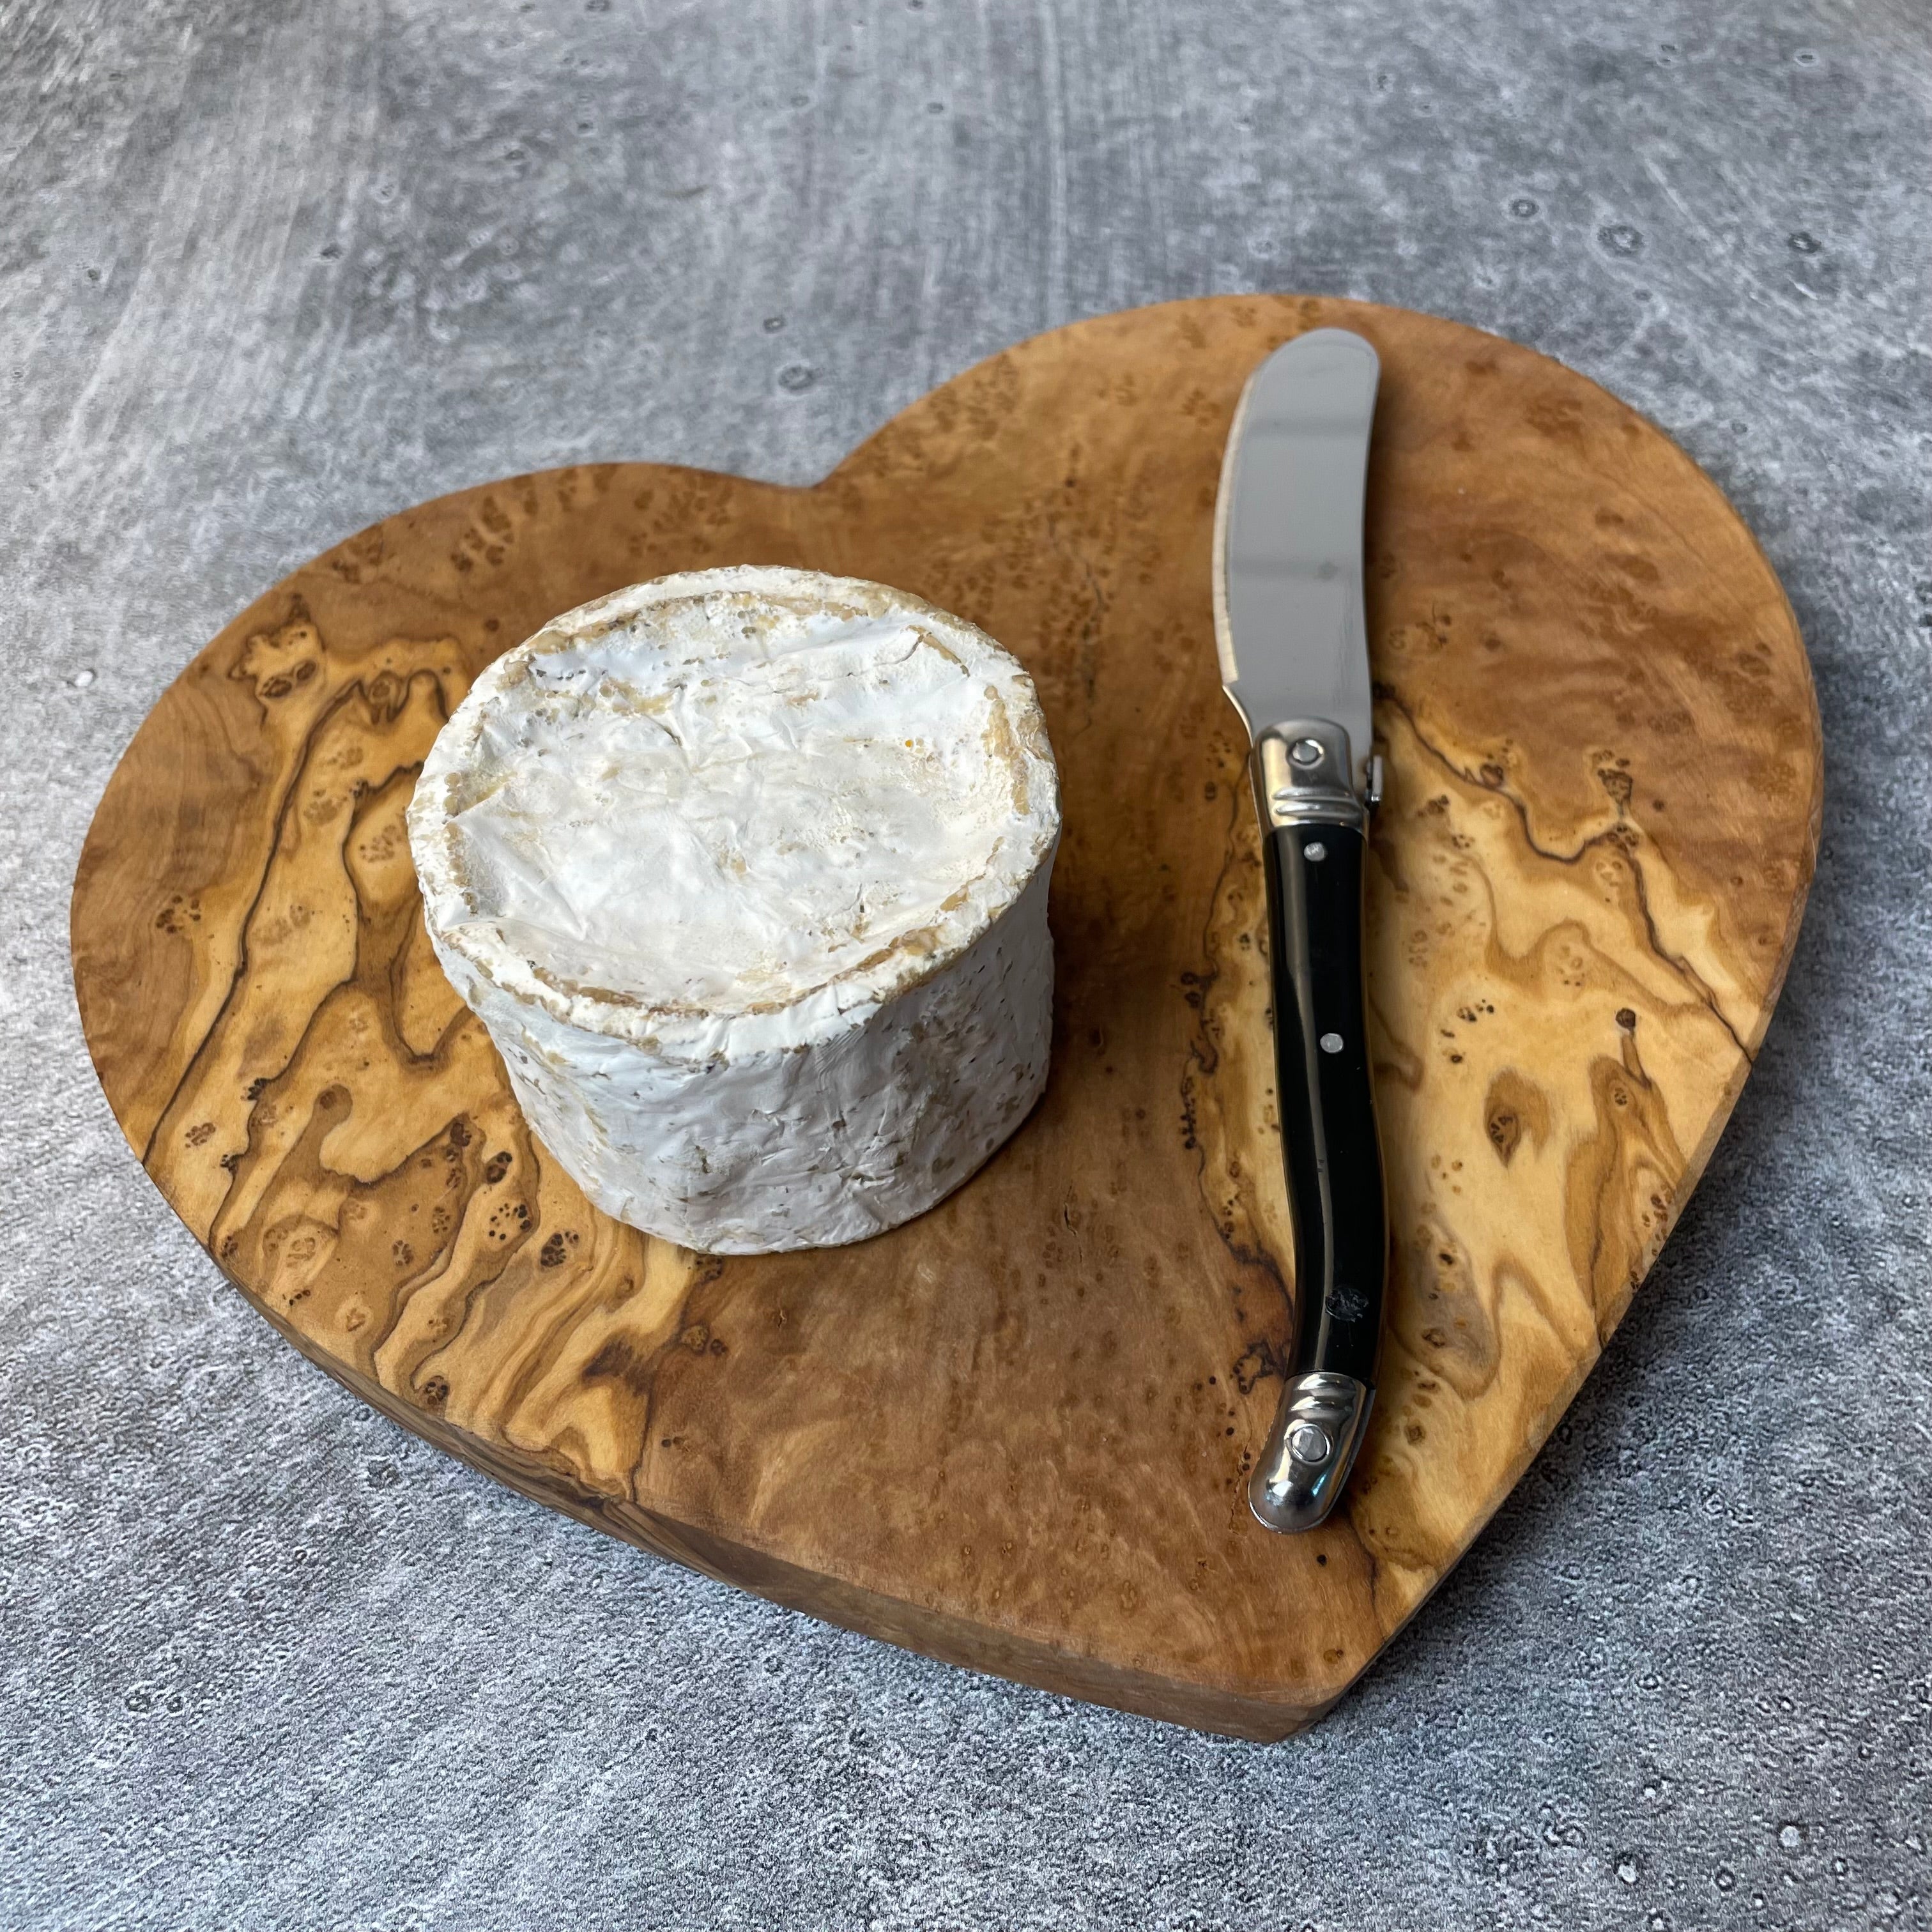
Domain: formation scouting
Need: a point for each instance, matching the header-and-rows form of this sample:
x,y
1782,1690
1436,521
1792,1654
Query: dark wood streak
x,y
1614,839
1013,1434
298,614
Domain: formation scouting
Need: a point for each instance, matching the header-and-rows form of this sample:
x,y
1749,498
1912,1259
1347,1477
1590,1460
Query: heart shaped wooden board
x,y
1015,1433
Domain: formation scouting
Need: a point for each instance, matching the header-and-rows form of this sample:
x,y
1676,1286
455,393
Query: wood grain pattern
x,y
1015,1434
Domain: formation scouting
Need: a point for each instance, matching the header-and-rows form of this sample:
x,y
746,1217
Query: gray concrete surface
x,y
268,271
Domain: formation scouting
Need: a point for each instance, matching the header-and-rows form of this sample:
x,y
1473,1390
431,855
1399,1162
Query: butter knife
x,y
1289,625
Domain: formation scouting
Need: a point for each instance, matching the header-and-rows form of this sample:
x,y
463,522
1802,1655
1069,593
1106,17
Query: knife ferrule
x,y
1301,771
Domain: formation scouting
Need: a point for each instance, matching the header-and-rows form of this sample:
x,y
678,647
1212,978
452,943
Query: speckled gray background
x,y
269,270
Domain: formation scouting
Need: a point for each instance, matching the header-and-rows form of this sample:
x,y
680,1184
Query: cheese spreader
x,y
1290,628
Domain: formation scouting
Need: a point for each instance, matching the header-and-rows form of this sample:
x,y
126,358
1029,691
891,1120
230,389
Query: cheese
x,y
745,871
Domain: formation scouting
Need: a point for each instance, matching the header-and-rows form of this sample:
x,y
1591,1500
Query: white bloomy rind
x,y
745,871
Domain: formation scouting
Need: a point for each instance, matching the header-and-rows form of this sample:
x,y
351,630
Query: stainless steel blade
x,y
1288,619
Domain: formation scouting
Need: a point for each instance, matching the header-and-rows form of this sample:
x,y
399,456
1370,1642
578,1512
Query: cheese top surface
x,y
746,794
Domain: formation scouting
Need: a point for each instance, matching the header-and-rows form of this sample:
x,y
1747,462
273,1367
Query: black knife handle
x,y
1314,839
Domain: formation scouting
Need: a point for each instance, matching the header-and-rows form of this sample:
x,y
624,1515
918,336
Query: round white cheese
x,y
745,871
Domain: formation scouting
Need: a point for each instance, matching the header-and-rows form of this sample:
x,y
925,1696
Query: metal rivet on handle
x,y
1331,1042
1308,1444
1306,751
1316,850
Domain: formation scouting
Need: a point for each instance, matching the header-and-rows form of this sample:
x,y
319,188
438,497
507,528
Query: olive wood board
x,y
1015,1433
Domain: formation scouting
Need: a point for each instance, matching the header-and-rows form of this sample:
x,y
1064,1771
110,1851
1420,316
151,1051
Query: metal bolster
x,y
1310,1450
1303,774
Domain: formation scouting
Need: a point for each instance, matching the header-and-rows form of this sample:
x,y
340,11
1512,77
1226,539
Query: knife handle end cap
x,y
1310,1451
